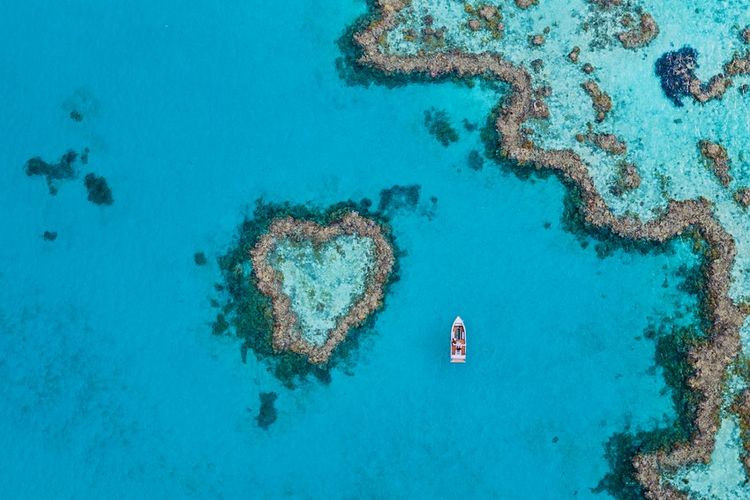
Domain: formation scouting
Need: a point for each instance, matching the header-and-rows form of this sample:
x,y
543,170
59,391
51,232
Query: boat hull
x,y
458,341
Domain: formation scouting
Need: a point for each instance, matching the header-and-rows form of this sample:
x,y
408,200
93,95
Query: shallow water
x,y
113,384
323,283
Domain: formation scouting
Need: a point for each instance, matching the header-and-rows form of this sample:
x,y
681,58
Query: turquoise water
x,y
112,382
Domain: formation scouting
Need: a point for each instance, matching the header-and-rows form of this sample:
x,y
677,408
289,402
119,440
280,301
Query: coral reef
x,y
200,259
485,17
738,65
707,360
398,197
438,124
573,54
628,178
641,35
50,235
676,70
742,196
287,334
99,191
717,159
247,313
475,160
677,73
267,413
607,142
63,169
599,99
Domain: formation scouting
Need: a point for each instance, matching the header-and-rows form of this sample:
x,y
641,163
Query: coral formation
x,y
200,259
267,413
742,196
707,360
607,142
287,332
628,179
248,313
50,235
676,70
717,159
438,124
641,35
398,197
63,169
599,99
99,191
475,160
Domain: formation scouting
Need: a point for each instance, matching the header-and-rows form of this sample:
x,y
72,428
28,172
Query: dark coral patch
x,y
398,197
676,70
267,414
475,160
200,259
62,169
99,191
50,235
438,125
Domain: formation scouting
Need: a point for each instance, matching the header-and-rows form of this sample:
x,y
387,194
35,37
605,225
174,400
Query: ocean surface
x,y
113,385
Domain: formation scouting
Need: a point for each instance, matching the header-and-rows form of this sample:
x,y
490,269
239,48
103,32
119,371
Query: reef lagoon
x,y
235,238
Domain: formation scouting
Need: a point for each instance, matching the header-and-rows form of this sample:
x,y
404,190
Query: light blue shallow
x,y
111,382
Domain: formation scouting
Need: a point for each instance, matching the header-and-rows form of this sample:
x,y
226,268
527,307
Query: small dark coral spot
x,y
99,191
267,414
50,235
200,259
475,160
76,116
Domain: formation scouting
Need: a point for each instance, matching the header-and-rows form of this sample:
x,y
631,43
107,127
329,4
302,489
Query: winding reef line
x,y
708,360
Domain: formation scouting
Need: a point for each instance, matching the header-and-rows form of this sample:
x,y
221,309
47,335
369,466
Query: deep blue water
x,y
113,385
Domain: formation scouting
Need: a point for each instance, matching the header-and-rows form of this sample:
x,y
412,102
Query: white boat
x,y
458,341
